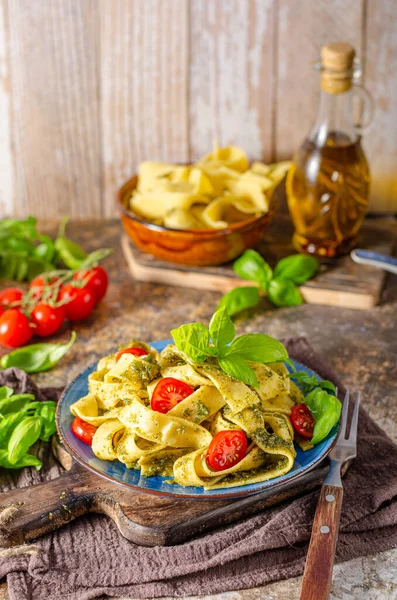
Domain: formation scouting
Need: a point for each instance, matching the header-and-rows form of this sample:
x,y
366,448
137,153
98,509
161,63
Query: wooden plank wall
x,y
88,88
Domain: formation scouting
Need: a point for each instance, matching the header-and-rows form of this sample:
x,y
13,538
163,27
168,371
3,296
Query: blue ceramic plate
x,y
115,471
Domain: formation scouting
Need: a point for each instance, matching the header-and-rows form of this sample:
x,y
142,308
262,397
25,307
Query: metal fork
x,y
317,578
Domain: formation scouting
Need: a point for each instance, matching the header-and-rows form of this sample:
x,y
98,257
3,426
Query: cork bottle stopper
x,y
338,56
337,62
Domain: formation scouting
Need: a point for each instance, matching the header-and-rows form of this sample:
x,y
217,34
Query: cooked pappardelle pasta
x,y
169,416
218,190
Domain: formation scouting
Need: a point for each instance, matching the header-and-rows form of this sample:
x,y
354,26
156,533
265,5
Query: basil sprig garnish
x,y
279,285
233,353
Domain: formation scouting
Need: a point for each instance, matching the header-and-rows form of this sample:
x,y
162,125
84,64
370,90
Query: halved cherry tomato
x,y
168,393
40,282
48,319
302,420
83,431
226,449
135,351
80,302
97,281
10,296
15,329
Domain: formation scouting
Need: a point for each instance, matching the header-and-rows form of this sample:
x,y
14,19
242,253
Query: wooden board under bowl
x,y
147,520
340,282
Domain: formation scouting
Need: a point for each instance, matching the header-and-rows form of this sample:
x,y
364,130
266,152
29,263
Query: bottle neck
x,y
334,124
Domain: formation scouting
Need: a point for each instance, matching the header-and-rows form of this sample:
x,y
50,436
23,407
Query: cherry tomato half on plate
x,y
135,351
96,279
15,329
10,296
168,393
80,302
302,420
226,449
83,431
48,319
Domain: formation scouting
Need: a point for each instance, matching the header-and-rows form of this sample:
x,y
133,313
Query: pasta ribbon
x,y
164,429
131,448
270,383
236,393
192,469
104,439
199,406
185,373
87,409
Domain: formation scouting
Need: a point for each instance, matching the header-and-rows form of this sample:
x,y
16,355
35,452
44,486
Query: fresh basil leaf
x,y
252,266
25,434
58,351
239,299
47,413
221,328
46,249
309,383
29,358
257,347
15,403
283,292
5,392
71,253
326,410
27,460
297,268
7,426
20,245
193,339
19,227
327,385
237,367
37,357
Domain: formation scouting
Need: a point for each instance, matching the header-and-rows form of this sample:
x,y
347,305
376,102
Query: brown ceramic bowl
x,y
196,247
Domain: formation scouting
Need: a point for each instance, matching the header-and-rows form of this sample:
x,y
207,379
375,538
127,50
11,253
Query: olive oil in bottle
x,y
328,185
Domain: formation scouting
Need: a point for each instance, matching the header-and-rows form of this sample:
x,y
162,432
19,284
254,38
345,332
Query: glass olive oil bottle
x,y
328,184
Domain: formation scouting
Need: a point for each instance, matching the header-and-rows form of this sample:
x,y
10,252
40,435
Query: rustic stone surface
x,y
360,345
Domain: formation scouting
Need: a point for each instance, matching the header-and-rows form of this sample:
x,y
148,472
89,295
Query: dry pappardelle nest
x,y
175,444
218,190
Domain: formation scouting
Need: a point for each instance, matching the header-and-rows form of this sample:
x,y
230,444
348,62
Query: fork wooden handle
x,y
317,578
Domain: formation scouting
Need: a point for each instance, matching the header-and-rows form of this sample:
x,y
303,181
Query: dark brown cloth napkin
x,y
89,558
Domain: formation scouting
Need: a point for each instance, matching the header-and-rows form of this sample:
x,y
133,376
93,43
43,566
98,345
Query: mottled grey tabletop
x,y
361,345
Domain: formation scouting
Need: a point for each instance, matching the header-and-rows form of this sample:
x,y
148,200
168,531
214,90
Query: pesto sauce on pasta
x,y
175,444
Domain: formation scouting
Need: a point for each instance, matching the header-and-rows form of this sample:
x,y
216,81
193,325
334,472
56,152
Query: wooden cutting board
x,y
147,520
341,282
